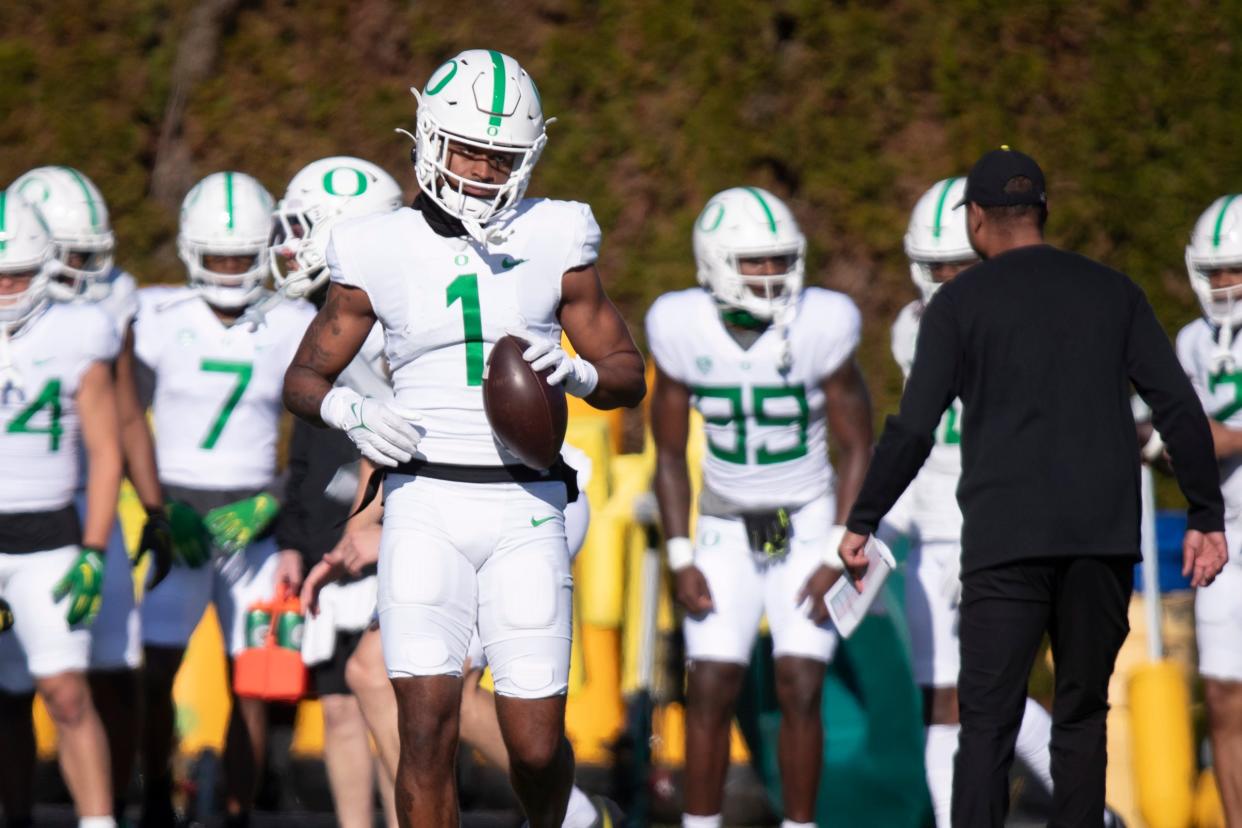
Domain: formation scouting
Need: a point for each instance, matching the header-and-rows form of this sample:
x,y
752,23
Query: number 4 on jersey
x,y
48,397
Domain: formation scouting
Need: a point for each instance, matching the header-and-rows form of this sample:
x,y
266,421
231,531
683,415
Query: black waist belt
x,y
559,472
24,532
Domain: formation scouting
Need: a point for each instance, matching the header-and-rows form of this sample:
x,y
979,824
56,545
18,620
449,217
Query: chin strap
x,y
492,233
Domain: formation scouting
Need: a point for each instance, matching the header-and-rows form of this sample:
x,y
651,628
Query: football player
x,y
770,365
323,470
216,410
471,536
55,389
84,246
367,677
1211,353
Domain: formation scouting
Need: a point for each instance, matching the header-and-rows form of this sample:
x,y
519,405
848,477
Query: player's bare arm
x,y
848,410
600,336
670,428
98,411
331,341
848,405
137,447
1228,441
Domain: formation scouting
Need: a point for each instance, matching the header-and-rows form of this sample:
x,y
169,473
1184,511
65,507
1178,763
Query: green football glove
x,y
6,616
83,584
189,535
234,526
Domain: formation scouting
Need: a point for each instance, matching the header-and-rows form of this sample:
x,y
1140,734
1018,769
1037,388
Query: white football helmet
x,y
485,100
25,245
742,223
226,214
321,194
937,233
1215,243
73,207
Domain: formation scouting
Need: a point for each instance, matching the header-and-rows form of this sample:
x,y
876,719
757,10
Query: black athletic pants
x,y
1005,610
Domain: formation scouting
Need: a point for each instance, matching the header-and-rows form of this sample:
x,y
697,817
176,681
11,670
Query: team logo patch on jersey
x,y
185,336
704,364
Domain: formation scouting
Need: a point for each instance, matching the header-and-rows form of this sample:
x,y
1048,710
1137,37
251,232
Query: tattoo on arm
x,y
331,341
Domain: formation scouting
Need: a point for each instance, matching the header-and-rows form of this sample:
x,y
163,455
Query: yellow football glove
x,y
234,526
83,584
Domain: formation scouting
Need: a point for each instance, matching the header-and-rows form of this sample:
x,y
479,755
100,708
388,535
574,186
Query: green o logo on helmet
x,y
708,221
44,190
434,88
359,183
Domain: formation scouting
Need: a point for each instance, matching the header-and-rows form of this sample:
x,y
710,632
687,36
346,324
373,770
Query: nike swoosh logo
x,y
541,521
43,361
509,264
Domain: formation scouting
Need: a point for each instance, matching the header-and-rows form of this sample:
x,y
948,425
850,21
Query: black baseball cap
x,y
985,185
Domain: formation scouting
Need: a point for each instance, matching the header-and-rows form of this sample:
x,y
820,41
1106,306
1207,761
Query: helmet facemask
x,y
447,189
16,308
86,279
764,297
227,291
297,257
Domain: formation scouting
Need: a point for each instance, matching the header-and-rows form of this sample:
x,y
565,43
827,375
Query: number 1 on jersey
x,y
466,288
244,371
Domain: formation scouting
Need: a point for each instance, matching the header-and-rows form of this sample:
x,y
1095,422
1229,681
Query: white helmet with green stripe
x,y
320,195
226,214
75,210
485,101
937,233
1216,243
25,247
749,223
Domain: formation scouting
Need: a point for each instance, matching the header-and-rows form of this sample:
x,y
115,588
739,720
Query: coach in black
x,y
1042,346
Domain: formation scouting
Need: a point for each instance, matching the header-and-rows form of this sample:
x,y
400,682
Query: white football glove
x,y
381,432
577,375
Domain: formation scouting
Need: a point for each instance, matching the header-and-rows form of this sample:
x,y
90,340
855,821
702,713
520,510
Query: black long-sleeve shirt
x,y
1042,345
319,491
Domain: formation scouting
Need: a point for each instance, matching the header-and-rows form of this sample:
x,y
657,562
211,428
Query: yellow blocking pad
x,y
1163,754
1177,628
1209,813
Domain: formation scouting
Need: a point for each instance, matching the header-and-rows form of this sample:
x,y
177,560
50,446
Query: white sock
x,y
789,823
692,821
97,822
580,813
938,753
1034,736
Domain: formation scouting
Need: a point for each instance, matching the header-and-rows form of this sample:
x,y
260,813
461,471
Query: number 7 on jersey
x,y
244,371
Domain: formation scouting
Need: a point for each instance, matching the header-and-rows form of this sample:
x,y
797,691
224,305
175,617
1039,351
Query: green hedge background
x,y
847,109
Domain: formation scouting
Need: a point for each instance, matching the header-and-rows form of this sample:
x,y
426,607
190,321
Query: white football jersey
x,y
1220,391
122,302
767,439
217,402
39,426
444,302
933,503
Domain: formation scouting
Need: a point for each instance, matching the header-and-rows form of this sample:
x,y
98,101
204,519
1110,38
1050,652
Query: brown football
x,y
527,415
